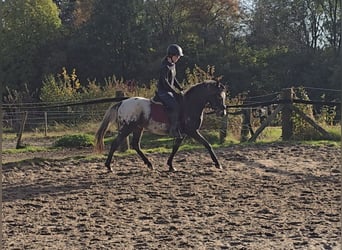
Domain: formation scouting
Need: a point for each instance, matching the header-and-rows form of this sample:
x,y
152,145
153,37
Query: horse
x,y
136,114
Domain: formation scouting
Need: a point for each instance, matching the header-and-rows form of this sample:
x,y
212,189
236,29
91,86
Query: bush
x,y
62,88
75,141
301,129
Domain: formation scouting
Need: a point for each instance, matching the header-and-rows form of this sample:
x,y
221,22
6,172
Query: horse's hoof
x,y
109,169
219,166
150,166
172,169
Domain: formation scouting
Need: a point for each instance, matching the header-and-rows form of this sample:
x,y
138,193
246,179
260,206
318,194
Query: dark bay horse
x,y
134,114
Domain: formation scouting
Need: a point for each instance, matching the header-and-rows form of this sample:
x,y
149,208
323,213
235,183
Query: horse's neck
x,y
194,104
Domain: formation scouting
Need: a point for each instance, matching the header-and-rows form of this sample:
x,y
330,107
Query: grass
x,y
270,134
335,131
75,141
150,143
28,149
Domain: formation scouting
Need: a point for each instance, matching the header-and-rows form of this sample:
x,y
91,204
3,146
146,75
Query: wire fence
x,y
42,115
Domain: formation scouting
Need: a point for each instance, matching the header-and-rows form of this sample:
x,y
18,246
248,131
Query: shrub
x,y
327,114
301,129
75,141
62,88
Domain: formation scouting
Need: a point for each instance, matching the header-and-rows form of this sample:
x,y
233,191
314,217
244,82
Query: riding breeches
x,y
169,100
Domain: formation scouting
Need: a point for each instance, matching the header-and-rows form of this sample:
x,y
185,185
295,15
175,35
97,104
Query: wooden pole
x,y
223,129
125,144
46,126
22,126
246,126
286,117
312,123
266,122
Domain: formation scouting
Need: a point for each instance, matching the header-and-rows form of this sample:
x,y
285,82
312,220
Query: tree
x,y
114,40
302,36
297,24
26,26
203,28
332,25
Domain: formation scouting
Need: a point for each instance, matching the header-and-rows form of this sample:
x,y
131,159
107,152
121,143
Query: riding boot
x,y
174,124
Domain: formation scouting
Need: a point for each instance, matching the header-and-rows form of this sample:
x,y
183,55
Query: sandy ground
x,y
276,196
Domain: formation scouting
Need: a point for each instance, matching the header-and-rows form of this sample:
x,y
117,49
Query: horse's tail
x,y
109,118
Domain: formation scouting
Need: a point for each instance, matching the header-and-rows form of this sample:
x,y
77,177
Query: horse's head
x,y
217,97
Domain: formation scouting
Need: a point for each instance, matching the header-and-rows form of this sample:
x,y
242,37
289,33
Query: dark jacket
x,y
167,79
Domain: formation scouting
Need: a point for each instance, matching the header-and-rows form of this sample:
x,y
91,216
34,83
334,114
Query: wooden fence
x,y
284,106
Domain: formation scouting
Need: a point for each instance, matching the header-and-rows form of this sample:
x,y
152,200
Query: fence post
x,y
21,130
286,121
224,128
125,144
246,126
45,125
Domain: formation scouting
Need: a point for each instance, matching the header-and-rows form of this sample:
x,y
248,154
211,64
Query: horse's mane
x,y
200,85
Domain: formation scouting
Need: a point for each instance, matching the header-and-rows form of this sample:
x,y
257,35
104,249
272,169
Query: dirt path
x,y
266,197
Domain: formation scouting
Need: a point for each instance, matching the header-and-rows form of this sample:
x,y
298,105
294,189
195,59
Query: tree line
x,y
258,46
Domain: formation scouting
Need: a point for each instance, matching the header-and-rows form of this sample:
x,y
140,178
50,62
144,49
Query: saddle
x,y
159,112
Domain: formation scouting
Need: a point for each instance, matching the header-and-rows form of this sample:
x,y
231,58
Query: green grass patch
x,y
329,143
270,134
335,132
27,149
151,143
75,141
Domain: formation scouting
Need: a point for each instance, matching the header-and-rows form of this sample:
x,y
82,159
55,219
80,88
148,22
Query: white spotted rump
x,y
132,109
136,108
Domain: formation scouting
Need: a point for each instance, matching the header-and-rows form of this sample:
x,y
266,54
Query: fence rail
x,y
45,114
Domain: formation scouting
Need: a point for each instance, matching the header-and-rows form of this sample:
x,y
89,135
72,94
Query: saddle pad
x,y
158,113
156,100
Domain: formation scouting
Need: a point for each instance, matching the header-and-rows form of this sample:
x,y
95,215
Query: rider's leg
x,y
173,112
174,122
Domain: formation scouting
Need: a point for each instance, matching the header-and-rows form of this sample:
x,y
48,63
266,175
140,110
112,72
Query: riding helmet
x,y
174,50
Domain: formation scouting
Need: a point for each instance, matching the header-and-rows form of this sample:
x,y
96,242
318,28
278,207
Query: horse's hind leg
x,y
115,144
177,143
137,133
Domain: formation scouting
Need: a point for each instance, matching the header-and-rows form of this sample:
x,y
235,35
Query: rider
x,y
168,85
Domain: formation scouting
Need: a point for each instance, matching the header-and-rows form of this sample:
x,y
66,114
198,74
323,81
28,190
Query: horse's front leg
x,y
177,143
198,137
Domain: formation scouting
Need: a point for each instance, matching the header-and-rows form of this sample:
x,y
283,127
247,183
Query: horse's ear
x,y
221,86
217,79
218,82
